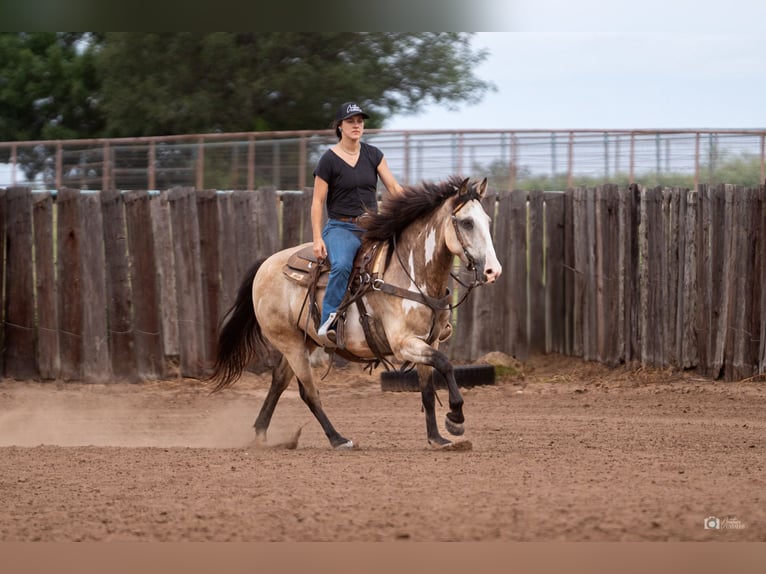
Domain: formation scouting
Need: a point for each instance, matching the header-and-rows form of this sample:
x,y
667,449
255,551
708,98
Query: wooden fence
x,y
105,286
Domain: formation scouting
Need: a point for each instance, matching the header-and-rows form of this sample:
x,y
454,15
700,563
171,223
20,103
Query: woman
x,y
345,179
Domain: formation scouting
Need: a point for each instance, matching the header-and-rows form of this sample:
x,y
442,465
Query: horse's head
x,y
469,236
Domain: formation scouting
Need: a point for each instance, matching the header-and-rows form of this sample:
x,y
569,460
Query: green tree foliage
x,y
186,82
48,86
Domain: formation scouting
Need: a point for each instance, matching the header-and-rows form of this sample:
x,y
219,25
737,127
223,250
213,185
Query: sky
x,y
597,64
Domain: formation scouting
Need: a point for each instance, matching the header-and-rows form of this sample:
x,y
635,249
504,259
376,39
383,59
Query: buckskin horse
x,y
398,306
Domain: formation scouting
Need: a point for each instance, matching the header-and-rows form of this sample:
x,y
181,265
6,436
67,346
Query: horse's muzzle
x,y
491,273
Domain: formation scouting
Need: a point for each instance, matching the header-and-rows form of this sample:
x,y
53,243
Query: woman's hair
x,y
335,125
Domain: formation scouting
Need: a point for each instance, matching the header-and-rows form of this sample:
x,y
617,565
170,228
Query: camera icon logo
x,y
712,523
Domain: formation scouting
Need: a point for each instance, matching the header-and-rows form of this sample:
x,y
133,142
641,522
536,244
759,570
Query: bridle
x,y
443,304
471,262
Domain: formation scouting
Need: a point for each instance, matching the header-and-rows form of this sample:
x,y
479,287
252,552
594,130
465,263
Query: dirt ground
x,y
563,451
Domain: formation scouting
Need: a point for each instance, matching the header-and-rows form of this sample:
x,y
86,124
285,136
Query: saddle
x,y
304,269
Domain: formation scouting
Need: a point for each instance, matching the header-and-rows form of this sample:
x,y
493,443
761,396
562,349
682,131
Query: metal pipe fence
x,y
512,159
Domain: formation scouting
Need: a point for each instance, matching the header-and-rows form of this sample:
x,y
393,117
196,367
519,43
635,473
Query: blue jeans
x,y
342,240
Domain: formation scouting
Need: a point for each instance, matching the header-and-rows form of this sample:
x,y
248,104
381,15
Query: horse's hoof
x,y
259,442
455,429
439,443
348,445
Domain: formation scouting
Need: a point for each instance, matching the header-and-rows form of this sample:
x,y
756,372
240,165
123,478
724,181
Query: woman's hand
x,y
320,250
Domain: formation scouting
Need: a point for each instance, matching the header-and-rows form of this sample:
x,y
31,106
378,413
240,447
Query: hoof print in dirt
x,y
465,376
459,445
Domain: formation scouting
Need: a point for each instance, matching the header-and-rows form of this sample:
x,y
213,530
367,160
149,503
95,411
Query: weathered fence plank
x,y
227,244
536,279
757,285
579,307
669,275
689,291
607,274
294,211
760,290
122,350
70,302
702,319
570,273
740,361
590,331
554,302
145,278
308,194
629,333
504,247
649,251
45,286
266,223
517,269
189,282
162,234
20,337
723,341
207,213
3,298
243,203
95,341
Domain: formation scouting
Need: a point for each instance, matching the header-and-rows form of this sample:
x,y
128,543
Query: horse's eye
x,y
467,224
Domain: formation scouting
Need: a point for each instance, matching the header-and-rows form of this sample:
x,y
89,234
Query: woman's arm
x,y
388,178
317,215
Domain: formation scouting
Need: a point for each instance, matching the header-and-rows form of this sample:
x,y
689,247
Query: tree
x,y
185,82
48,90
48,86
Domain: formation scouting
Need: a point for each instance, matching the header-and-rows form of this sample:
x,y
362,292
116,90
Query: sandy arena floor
x,y
566,451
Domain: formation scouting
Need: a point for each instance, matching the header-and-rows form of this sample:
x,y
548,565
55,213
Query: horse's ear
x,y
463,188
483,187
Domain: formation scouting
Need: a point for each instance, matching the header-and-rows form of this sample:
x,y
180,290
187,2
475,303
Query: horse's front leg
x,y
417,351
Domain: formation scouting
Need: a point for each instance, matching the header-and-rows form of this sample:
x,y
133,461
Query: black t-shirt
x,y
351,190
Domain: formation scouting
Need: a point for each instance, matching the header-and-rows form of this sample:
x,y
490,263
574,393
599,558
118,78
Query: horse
x,y
402,313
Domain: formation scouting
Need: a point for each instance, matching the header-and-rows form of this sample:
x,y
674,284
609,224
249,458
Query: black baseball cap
x,y
349,109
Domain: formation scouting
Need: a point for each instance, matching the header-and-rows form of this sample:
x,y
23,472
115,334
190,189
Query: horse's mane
x,y
396,212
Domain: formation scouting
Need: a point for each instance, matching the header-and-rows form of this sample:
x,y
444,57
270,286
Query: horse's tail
x,y
240,337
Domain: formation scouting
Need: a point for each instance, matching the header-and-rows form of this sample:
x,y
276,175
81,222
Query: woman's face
x,y
353,126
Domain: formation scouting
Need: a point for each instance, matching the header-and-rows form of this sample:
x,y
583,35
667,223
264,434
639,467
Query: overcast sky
x,y
617,65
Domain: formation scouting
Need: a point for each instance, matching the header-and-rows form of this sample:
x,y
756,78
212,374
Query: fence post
x,y
105,169
13,162
631,179
200,181
570,159
152,165
697,159
250,162
302,162
59,165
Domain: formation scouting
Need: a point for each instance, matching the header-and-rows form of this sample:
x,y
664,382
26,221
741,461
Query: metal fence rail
x,y
513,159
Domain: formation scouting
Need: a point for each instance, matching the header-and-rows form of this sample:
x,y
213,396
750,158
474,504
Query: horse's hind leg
x,y
280,379
310,395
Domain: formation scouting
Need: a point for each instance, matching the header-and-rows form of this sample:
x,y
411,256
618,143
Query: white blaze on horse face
x,y
482,241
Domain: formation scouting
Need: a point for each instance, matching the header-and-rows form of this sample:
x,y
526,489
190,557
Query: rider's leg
x,y
342,241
